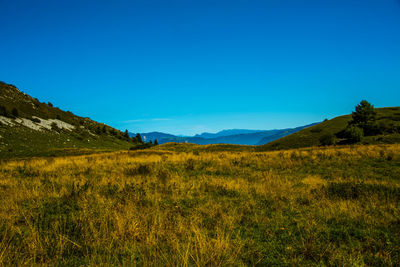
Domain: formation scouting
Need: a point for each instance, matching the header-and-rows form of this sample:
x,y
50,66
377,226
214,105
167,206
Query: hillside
x,y
29,127
387,118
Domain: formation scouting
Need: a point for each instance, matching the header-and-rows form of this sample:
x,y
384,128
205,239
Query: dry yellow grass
x,y
328,206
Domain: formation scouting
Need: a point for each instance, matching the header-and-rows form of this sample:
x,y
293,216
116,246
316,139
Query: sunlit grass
x,y
328,206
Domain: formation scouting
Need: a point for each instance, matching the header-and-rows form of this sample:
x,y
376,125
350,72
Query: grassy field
x,y
318,206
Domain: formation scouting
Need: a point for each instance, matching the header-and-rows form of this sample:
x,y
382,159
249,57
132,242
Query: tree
x,y
126,134
14,112
364,117
139,138
155,142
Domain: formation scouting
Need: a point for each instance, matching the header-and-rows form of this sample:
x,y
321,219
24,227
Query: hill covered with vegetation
x,y
383,127
29,127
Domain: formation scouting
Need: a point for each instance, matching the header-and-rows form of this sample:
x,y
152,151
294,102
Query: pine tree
x,y
155,142
364,117
139,138
364,114
126,134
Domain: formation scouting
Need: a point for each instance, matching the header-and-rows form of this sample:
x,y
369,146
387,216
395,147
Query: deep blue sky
x,y
189,66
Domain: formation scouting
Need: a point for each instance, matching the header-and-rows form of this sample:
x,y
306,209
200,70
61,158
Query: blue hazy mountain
x,y
227,133
234,136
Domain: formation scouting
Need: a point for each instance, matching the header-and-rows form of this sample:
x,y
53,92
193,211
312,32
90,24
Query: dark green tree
x,y
155,142
364,117
126,134
364,113
14,112
139,138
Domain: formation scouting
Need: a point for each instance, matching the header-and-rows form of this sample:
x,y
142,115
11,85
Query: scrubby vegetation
x,y
180,204
366,125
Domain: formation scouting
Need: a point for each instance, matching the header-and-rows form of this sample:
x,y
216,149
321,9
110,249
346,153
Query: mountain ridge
x,y
29,127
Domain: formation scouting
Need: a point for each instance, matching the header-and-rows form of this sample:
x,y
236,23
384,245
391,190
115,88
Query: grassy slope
x,y
20,141
24,142
310,137
311,207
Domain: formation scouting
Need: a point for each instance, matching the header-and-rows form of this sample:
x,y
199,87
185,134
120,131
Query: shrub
x,y
354,134
140,146
14,112
163,176
97,130
327,139
36,120
386,127
54,127
316,130
371,128
142,169
3,111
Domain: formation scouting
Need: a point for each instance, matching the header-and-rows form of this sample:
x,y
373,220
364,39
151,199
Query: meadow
x,y
203,207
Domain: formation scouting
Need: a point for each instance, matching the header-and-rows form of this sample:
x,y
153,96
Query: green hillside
x,y
29,127
387,120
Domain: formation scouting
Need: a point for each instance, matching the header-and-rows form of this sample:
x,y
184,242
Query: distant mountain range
x,y
232,136
227,133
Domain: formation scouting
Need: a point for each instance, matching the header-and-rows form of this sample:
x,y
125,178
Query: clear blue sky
x,y
190,66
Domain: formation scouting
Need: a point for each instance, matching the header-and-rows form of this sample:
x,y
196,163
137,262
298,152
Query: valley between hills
x,y
75,192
